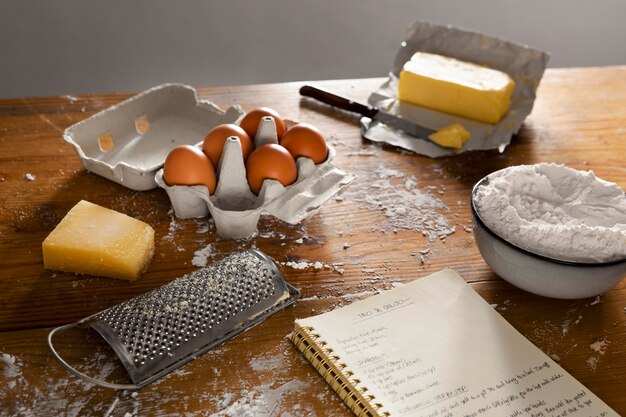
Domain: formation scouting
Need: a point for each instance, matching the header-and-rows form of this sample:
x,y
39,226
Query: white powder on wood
x,y
305,265
12,366
201,256
404,205
556,211
592,362
599,346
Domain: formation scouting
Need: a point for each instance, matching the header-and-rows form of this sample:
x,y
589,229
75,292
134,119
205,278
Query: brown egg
x,y
188,165
305,140
270,161
213,144
250,122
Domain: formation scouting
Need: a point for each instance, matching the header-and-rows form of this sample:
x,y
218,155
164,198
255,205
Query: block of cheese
x,y
453,136
456,87
95,240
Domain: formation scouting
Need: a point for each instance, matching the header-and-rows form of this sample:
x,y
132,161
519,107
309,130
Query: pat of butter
x,y
95,240
453,136
456,87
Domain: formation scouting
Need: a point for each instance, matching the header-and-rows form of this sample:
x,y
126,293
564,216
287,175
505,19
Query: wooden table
x,y
364,245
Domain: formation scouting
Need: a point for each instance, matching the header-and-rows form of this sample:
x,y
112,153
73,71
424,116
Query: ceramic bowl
x,y
539,274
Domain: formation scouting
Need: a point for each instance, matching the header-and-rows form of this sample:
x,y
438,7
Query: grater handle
x,y
75,371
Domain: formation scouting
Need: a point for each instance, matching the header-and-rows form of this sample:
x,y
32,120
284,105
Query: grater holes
x,y
156,325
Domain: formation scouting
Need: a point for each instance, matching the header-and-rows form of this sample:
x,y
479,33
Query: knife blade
x,y
374,113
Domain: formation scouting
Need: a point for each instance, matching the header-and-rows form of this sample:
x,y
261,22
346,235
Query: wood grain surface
x,y
404,217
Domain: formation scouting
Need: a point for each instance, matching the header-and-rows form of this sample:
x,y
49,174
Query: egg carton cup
x,y
128,142
236,209
522,63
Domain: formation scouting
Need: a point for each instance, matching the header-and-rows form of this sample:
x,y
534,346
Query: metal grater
x,y
161,330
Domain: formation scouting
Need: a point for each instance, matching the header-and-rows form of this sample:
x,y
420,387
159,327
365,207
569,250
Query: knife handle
x,y
337,101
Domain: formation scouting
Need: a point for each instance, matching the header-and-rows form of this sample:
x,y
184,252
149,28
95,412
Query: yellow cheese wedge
x,y
95,240
456,87
453,136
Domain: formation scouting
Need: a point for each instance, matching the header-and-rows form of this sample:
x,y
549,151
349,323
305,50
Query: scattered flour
x,y
556,211
267,363
565,327
596,300
306,265
592,362
66,396
203,228
599,346
201,256
11,365
311,298
174,226
405,206
339,270
261,401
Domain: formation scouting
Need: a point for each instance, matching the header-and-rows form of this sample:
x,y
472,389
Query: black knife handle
x,y
337,101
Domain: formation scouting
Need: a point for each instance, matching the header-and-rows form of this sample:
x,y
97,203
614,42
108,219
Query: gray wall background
x,y
85,46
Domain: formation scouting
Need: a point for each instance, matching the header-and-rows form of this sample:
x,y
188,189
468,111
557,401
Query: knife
x,y
367,111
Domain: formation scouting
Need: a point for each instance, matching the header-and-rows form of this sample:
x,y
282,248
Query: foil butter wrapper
x,y
236,209
523,64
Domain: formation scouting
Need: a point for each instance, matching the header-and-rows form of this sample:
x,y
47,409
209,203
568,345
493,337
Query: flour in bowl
x,y
556,211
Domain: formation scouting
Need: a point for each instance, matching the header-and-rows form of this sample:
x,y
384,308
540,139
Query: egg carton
x,y
236,209
127,143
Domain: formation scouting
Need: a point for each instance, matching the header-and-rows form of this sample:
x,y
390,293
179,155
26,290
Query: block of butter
x,y
453,136
456,87
95,240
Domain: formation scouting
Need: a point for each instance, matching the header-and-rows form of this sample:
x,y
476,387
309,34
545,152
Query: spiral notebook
x,y
435,348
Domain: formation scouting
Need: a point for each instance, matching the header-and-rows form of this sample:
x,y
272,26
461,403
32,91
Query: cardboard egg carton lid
x,y
522,63
236,210
128,142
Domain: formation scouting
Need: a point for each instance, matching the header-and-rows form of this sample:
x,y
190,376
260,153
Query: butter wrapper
x,y
522,63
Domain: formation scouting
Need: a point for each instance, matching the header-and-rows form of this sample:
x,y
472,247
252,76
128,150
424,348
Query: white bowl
x,y
539,274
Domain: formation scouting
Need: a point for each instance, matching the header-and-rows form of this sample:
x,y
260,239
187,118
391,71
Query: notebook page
x,y
434,348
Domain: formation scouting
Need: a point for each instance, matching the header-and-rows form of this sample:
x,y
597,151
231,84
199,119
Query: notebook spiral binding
x,y
330,367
